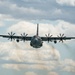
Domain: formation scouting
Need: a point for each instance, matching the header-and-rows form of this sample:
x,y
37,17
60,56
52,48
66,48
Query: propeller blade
x,y
45,35
24,34
48,36
11,39
11,34
62,35
62,41
24,37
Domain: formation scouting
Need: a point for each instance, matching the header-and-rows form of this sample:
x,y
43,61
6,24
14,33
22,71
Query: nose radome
x,y
36,39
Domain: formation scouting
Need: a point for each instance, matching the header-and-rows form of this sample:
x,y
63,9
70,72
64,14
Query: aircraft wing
x,y
56,38
27,38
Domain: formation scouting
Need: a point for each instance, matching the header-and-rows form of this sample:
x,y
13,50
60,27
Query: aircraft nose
x,y
36,39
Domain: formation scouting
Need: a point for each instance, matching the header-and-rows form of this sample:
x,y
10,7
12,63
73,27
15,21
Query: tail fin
x,y
37,30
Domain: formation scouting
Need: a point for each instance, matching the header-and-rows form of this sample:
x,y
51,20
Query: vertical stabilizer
x,y
37,29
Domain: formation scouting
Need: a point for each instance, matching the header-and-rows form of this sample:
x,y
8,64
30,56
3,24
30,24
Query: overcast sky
x,y
53,16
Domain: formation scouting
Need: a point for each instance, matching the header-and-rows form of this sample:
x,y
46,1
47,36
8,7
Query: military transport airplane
x,y
36,41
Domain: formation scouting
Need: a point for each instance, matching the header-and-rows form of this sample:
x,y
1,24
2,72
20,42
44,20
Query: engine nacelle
x,y
17,40
55,41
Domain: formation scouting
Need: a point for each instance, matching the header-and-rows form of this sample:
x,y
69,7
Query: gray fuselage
x,y
36,42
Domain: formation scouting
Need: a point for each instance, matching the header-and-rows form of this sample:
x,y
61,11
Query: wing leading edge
x,y
55,39
27,38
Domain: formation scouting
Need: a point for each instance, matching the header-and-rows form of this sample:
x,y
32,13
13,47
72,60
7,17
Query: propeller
x,y
61,36
48,37
11,34
24,35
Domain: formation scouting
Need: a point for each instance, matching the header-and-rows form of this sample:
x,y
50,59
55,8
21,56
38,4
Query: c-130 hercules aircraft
x,y
36,41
